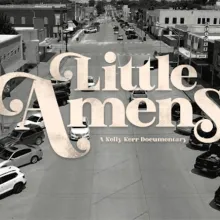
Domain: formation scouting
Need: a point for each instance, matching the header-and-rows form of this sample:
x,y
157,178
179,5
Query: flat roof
x,y
4,38
34,6
23,28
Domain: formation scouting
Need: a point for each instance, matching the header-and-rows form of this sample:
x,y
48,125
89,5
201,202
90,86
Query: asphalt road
x,y
116,181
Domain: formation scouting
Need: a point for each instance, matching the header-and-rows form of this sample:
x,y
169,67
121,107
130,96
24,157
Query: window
x,y
199,21
219,21
45,20
208,20
215,21
166,20
23,20
181,20
26,151
12,20
17,154
203,21
8,177
174,20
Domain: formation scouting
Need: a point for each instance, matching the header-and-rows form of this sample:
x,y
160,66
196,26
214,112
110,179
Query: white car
x,y
120,37
91,81
11,178
80,132
35,119
116,32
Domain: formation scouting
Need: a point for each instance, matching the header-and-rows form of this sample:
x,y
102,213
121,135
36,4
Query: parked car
x,y
116,32
61,96
217,197
187,130
128,32
60,87
142,107
35,119
79,132
209,162
91,81
90,30
35,135
195,143
61,82
138,93
11,179
132,36
153,63
20,155
120,37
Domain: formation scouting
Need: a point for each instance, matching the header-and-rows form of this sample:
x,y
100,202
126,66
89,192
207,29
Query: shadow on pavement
x,y
197,172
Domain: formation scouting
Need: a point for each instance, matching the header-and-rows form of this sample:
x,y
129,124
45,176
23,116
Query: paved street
x,y
126,181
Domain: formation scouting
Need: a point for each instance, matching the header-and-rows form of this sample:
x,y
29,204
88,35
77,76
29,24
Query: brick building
x,y
23,15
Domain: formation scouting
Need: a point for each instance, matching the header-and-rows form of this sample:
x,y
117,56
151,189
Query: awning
x,y
69,29
200,62
186,53
15,66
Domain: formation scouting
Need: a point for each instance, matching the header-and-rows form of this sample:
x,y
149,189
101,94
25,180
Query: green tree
x,y
91,3
5,26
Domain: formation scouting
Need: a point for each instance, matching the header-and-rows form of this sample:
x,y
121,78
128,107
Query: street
x,y
116,181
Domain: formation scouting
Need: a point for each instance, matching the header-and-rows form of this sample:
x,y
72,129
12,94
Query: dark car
x,y
132,36
176,111
60,87
217,197
153,63
34,135
187,130
116,28
195,143
129,32
61,96
209,162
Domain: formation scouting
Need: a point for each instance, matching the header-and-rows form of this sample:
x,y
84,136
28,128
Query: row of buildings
x,y
54,15
194,35
37,26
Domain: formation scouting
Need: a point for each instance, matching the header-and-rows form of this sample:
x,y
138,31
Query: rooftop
x,y
4,38
23,28
34,6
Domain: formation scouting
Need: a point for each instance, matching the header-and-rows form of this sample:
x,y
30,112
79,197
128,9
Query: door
x,y
21,157
28,137
8,182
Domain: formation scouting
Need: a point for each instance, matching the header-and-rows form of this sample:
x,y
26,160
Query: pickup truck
x,y
209,162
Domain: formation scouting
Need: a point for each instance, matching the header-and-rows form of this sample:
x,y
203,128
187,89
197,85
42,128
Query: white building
x,y
163,18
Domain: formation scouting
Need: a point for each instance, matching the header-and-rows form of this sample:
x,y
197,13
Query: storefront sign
x,y
205,40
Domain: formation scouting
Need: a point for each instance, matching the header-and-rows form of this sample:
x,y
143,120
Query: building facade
x,y
30,37
163,18
23,15
11,57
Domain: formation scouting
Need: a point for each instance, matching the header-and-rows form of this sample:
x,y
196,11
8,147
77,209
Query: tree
x,y
5,26
91,3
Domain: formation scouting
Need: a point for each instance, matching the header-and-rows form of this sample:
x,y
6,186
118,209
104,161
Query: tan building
x,y
11,56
